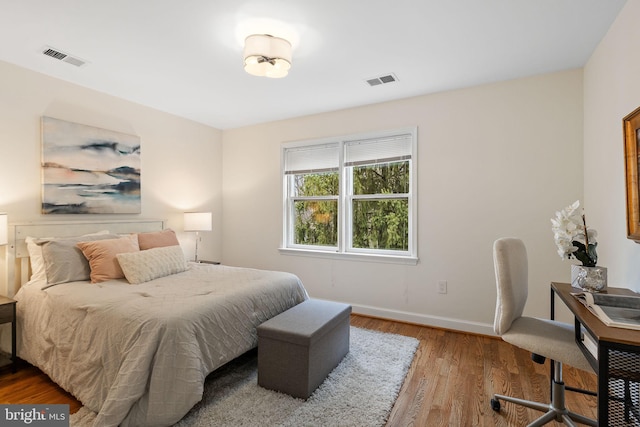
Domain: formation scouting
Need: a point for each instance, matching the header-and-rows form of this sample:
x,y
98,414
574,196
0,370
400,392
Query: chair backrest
x,y
510,262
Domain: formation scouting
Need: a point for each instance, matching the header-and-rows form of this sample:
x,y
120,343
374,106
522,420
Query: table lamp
x,y
197,221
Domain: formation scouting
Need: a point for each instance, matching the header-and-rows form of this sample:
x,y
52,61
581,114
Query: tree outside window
x,y
381,222
316,209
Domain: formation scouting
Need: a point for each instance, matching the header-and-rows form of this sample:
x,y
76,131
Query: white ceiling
x,y
185,56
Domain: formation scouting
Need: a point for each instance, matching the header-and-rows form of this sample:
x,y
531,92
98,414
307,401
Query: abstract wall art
x,y
88,170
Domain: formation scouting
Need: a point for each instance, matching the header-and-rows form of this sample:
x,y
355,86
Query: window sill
x,y
406,260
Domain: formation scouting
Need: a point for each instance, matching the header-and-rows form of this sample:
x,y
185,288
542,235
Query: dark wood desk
x,y
617,363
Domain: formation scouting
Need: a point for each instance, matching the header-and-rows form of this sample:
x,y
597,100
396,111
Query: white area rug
x,y
361,390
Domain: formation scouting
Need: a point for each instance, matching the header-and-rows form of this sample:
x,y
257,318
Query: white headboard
x,y
18,256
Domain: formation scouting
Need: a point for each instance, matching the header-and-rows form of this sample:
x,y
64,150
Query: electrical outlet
x,y
442,286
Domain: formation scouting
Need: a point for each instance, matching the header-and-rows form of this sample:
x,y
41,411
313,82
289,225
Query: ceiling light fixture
x,y
266,55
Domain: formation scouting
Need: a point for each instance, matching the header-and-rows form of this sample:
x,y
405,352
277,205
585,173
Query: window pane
x,y
316,184
382,178
381,224
316,222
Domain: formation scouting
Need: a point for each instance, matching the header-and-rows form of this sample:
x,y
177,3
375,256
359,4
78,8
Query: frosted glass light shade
x,y
267,56
197,221
3,229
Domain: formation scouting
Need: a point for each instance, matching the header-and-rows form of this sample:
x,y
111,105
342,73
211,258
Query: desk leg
x,y
552,367
603,385
618,376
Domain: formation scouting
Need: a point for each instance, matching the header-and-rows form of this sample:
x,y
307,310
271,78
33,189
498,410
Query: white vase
x,y
590,279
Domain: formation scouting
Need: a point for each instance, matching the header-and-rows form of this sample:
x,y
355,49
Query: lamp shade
x,y
266,55
3,229
197,221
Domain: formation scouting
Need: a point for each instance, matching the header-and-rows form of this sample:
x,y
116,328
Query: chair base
x,y
555,410
562,415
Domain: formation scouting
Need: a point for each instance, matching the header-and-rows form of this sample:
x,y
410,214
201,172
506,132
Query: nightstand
x,y
8,314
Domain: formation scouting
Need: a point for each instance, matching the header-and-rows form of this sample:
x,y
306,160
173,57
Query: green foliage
x,y
378,223
381,224
316,223
381,178
319,184
588,257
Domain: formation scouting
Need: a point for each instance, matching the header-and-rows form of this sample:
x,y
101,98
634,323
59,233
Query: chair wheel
x,y
495,405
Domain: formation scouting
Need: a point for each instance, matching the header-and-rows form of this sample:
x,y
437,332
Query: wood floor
x,y
450,382
454,376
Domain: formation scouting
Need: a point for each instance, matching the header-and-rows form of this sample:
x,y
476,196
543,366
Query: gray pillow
x,y
64,261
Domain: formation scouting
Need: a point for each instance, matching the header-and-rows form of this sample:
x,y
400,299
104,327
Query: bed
x,y
138,354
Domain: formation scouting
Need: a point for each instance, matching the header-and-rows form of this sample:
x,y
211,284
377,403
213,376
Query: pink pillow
x,y
157,239
101,255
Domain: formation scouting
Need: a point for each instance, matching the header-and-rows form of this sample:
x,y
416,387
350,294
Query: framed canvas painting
x,y
88,170
631,128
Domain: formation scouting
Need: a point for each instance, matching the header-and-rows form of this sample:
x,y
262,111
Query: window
x,y
352,195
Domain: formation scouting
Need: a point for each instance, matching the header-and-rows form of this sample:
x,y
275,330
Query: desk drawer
x,y
6,313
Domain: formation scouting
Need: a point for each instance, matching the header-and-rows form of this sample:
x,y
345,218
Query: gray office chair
x,y
545,338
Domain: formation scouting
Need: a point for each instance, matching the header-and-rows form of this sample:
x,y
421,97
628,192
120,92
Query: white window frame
x,y
344,249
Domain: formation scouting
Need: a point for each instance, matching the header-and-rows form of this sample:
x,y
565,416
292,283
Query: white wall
x,y
495,160
611,91
181,160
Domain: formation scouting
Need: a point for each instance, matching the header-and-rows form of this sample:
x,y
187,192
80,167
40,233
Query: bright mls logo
x,y
34,415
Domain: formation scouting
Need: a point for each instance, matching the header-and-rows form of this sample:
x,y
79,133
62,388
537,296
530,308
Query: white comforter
x,y
138,354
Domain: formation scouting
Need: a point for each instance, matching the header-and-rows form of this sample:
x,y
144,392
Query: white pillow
x,y
36,259
139,267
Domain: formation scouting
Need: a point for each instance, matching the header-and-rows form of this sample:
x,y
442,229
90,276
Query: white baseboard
x,y
423,319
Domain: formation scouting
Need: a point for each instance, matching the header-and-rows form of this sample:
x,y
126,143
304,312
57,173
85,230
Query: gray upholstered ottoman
x,y
298,348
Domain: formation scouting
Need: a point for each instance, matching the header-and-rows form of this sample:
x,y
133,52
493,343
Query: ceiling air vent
x,y
64,57
388,78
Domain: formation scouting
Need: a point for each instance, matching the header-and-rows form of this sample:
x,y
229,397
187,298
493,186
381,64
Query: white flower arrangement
x,y
572,236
